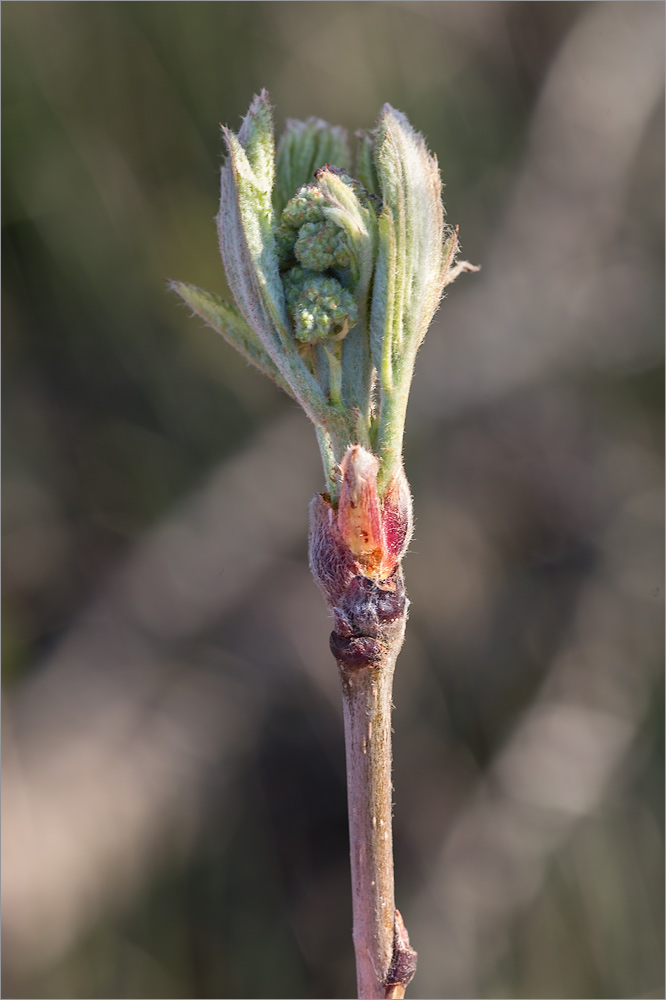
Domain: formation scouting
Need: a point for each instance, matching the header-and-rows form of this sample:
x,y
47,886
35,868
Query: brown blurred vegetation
x,y
174,815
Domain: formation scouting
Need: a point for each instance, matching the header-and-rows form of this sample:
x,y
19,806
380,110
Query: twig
x,y
371,631
350,269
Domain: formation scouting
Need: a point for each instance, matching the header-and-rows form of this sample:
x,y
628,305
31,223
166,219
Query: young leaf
x,y
226,320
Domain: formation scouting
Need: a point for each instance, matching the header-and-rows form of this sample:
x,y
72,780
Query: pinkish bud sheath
x,y
331,562
359,511
367,538
397,520
376,533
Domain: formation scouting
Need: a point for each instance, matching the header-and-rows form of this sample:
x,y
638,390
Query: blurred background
x,y
174,811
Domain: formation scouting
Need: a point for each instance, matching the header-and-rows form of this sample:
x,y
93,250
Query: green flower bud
x,y
307,205
321,245
318,305
319,217
285,241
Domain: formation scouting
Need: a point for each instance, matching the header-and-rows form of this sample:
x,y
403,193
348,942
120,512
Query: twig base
x,y
370,625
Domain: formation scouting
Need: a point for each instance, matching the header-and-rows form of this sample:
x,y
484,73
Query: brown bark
x,y
370,627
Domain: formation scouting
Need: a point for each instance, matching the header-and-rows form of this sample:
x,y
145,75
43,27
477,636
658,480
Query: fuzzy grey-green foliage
x,y
303,148
229,323
409,273
336,278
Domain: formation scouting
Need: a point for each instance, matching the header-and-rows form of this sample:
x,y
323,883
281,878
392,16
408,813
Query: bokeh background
x,y
174,813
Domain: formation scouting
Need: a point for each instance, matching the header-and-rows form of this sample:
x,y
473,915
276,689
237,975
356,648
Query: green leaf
x,y
409,273
359,223
411,188
384,301
256,138
246,221
246,229
364,169
304,147
226,320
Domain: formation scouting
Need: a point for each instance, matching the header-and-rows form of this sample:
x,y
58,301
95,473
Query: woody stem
x,y
384,961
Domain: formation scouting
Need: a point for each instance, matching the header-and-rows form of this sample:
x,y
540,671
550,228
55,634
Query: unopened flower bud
x,y
319,306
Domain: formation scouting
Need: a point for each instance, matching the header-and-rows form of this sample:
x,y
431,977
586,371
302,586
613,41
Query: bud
x,y
359,509
331,562
336,277
336,271
376,532
367,537
319,306
397,518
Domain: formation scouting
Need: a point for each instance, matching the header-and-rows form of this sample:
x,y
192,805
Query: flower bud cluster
x,y
318,305
315,258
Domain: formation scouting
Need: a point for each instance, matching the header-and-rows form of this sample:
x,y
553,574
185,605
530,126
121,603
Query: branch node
x,y
356,652
403,963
